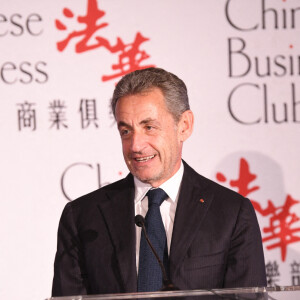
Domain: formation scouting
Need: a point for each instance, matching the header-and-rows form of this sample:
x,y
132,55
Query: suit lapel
x,y
118,212
193,203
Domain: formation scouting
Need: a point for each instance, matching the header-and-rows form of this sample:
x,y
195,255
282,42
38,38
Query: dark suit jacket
x,y
215,243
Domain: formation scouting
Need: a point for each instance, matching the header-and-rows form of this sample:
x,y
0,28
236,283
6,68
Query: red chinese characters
x,y
90,21
280,231
281,222
130,58
130,55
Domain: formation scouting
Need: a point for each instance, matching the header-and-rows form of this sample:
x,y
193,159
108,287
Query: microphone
x,y
167,284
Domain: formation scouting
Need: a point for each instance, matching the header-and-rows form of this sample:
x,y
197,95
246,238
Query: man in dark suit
x,y
213,238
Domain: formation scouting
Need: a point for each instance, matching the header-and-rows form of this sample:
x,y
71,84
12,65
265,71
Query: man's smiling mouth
x,y
144,159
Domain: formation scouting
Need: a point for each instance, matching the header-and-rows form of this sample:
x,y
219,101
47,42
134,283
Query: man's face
x,y
151,140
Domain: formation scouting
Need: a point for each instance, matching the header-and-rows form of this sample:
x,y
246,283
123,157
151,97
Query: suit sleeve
x,y
69,271
245,263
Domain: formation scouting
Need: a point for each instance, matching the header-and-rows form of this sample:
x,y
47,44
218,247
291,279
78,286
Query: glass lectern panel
x,y
257,293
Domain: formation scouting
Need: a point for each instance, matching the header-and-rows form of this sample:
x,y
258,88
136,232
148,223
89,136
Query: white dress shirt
x,y
167,208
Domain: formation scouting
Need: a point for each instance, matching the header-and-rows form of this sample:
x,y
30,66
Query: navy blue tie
x,y
150,275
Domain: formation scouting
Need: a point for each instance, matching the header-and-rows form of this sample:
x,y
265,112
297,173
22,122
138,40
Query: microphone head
x,y
139,220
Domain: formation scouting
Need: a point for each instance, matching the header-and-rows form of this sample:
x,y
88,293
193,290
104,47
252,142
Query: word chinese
x,y
271,17
72,176
17,25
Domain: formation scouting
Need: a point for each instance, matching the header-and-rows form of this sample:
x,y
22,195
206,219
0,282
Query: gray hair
x,y
141,81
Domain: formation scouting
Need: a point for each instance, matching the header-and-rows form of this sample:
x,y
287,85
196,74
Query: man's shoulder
x,y
219,199
102,193
206,184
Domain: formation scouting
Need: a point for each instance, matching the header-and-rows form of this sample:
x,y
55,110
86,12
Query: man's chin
x,y
147,178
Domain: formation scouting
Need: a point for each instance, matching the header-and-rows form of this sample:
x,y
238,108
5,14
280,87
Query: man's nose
x,y
137,142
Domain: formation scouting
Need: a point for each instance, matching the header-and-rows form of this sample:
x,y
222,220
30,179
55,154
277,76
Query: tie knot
x,y
156,196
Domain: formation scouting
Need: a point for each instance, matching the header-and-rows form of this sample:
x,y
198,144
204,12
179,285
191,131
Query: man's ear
x,y
186,125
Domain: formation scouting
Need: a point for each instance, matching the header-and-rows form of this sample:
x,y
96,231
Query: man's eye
x,y
124,132
149,127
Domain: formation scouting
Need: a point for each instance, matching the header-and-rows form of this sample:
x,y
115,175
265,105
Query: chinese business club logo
x,y
280,226
258,62
129,55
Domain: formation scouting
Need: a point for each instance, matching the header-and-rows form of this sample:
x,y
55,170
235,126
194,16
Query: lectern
x,y
256,293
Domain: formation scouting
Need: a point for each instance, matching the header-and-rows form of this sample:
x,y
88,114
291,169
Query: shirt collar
x,y
171,186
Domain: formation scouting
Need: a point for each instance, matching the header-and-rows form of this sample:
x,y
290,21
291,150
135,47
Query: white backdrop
x,y
240,60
